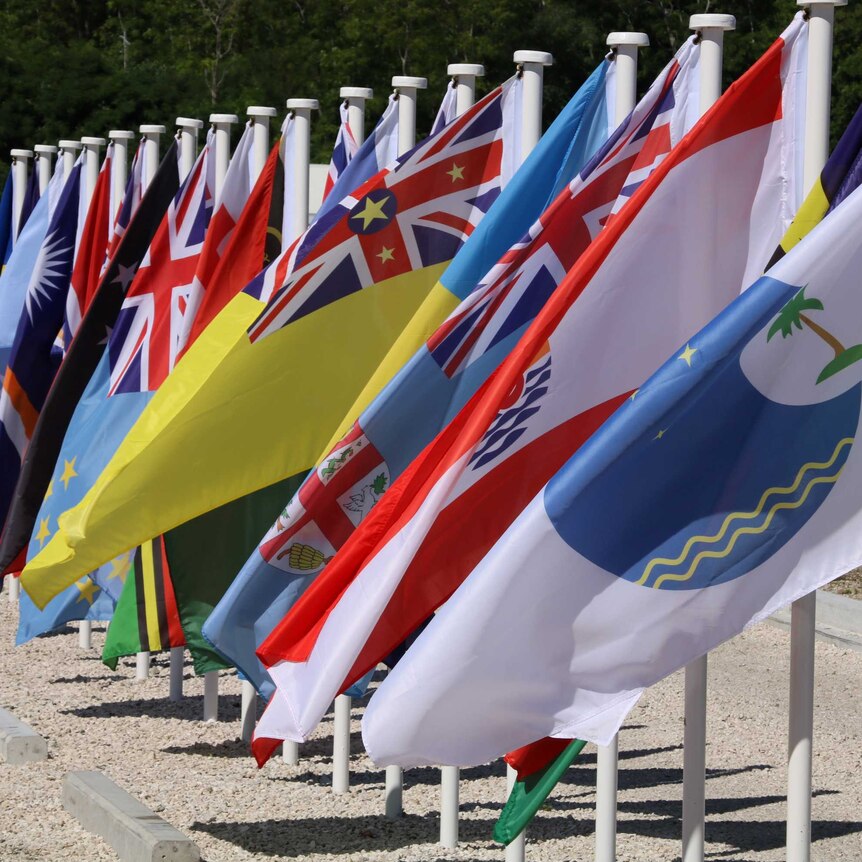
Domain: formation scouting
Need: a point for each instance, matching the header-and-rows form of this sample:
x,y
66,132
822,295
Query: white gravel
x,y
200,777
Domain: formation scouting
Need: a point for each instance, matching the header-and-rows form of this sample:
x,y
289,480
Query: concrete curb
x,y
19,743
839,620
135,832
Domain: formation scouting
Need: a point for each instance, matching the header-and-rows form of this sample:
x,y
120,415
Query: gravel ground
x,y
200,777
850,585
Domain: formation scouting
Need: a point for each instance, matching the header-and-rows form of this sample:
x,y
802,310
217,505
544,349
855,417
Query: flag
x,y
746,497
90,259
6,227
840,176
619,309
132,196
378,151
342,153
448,109
15,278
146,617
349,292
353,476
81,361
33,359
31,198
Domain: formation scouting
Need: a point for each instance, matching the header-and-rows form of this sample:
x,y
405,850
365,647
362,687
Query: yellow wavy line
x,y
733,516
818,480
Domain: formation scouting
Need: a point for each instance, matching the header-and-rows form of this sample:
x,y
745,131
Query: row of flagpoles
x,y
710,29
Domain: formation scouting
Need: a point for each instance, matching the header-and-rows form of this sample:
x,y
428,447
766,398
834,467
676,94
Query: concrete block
x,y
19,743
135,832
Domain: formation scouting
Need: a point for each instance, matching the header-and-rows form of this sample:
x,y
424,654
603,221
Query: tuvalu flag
x,y
728,488
80,362
455,500
245,407
348,482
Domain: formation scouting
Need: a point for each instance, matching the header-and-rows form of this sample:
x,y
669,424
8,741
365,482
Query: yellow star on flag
x,y
50,490
660,434
87,589
386,254
44,532
120,567
68,472
457,172
373,210
687,354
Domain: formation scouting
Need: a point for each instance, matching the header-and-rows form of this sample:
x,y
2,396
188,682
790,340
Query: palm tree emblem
x,y
793,314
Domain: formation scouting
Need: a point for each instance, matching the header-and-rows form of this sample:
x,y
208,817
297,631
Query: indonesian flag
x,y
717,205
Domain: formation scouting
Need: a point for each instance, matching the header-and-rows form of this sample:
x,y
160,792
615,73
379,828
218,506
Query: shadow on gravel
x,y
339,835
108,677
188,709
228,748
429,775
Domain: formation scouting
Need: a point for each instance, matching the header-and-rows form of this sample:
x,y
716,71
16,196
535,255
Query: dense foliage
x,y
79,67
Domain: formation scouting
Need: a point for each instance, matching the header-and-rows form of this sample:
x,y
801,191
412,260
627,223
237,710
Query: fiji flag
x,y
728,486
34,359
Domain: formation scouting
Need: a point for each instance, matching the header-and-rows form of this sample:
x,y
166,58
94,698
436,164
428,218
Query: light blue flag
x,y
277,574
19,268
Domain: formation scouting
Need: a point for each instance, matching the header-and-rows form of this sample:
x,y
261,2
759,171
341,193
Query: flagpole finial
x,y
89,141
66,144
711,21
302,104
121,135
260,111
457,69
189,123
809,3
407,81
45,148
21,154
638,40
151,129
356,93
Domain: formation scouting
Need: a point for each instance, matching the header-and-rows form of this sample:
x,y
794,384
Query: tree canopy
x,y
81,67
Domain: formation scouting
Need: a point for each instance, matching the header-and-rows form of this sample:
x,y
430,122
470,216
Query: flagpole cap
x,y
405,82
121,134
189,123
303,104
223,119
260,111
711,21
89,141
69,145
356,93
45,148
477,70
639,40
809,3
151,129
21,154
542,58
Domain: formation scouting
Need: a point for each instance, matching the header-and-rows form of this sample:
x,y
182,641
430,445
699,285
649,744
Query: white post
x,y
515,850
188,128
211,696
119,166
407,87
355,99
14,587
260,117
221,124
821,18
19,173
341,744
153,135
301,109
711,29
44,154
625,49
449,776
607,757
68,153
91,167
175,680
532,65
464,75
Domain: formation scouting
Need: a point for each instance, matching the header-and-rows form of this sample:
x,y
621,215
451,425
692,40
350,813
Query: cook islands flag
x,y
729,485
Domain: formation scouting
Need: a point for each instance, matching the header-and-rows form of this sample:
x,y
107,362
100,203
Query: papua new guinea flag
x,y
81,359
728,487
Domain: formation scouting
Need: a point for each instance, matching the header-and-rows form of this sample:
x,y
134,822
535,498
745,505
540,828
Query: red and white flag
x,y
717,204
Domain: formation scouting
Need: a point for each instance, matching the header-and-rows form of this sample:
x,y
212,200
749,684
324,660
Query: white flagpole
x,y
624,48
119,166
259,118
221,124
302,109
20,159
532,65
44,154
464,76
187,130
68,153
91,176
711,29
356,97
821,18
407,87
152,135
